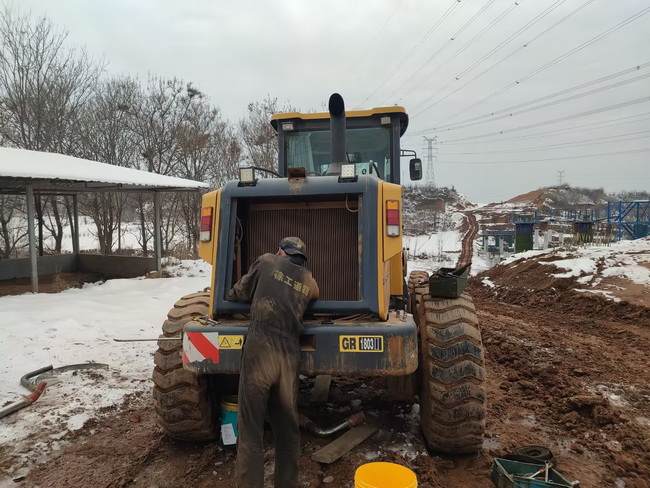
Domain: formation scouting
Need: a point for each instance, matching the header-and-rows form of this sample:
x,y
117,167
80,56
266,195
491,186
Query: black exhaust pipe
x,y
337,132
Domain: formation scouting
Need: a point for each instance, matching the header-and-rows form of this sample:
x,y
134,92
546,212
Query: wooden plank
x,y
321,389
348,441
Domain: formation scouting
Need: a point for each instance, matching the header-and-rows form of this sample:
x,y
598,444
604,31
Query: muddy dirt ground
x,y
565,371
54,283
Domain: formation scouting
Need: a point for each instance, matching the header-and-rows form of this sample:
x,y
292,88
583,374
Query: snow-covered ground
x,y
624,259
433,245
77,326
620,271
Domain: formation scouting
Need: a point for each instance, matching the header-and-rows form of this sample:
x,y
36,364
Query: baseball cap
x,y
293,245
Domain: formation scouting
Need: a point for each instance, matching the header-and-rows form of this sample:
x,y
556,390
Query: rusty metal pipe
x,y
23,402
351,421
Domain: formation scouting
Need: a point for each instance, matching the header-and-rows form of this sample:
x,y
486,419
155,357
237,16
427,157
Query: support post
x,y
32,238
75,234
157,235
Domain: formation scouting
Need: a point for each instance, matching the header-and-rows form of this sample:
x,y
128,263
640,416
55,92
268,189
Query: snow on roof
x,y
28,165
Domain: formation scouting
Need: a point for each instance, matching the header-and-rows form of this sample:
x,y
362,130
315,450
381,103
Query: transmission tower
x,y
560,177
432,157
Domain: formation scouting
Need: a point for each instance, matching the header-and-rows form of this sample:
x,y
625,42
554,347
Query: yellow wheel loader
x,y
337,188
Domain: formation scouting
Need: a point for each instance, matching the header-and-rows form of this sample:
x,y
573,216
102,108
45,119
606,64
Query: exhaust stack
x,y
337,132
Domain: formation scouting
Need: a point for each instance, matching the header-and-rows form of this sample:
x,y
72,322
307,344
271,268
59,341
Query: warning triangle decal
x,y
224,342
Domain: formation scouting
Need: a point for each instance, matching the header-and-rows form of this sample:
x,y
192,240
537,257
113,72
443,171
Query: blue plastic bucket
x,y
229,409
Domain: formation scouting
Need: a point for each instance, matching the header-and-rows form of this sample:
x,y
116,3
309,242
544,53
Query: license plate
x,y
358,343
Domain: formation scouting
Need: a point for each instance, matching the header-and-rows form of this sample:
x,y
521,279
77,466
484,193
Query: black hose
x,y
266,170
30,380
24,381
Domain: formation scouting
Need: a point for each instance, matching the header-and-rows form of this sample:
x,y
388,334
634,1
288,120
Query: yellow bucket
x,y
384,475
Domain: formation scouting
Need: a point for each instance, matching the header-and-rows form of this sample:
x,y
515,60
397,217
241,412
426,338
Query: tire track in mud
x,y
467,247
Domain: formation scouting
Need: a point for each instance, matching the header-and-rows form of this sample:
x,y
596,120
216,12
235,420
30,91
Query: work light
x,y
247,175
348,171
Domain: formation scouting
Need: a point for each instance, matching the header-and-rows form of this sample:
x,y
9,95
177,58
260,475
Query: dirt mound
x,y
536,197
565,197
530,283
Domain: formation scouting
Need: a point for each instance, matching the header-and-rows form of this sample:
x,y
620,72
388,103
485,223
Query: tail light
x,y
392,218
206,224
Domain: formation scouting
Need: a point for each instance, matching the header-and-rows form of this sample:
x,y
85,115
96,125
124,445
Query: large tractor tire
x,y
186,403
452,369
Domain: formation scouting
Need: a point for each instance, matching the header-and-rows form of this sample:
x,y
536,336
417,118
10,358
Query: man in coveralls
x,y
279,288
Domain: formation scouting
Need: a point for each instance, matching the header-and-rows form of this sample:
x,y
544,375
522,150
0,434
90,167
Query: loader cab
x,y
372,142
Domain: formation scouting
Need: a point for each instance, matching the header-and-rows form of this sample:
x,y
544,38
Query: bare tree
x,y
156,121
208,151
13,228
258,137
43,86
104,134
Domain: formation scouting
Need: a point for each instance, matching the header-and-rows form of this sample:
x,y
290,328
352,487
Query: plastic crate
x,y
448,282
510,474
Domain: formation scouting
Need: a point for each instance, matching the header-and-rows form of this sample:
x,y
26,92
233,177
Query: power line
x,y
498,48
372,43
471,41
419,44
552,95
449,41
584,142
618,153
578,128
561,119
597,38
546,105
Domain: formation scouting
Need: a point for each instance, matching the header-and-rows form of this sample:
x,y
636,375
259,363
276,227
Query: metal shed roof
x,y
66,174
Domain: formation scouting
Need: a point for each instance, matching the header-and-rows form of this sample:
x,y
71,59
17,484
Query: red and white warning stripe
x,y
198,347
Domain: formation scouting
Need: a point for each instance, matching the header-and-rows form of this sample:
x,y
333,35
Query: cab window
x,y
367,148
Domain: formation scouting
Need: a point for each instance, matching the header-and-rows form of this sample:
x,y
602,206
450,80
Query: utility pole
x,y
432,157
560,177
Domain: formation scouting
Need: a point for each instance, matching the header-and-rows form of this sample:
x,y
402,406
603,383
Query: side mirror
x,y
415,169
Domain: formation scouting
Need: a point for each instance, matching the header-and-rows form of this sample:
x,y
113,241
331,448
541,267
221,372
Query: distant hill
x,y
568,197
428,209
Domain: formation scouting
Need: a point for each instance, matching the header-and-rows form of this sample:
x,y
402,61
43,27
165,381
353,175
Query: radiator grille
x,y
332,241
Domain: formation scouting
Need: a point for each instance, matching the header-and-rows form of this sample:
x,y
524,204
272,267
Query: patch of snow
x,y
434,244
76,422
22,163
525,255
370,456
606,294
585,279
405,451
479,264
487,282
77,326
630,270
186,268
576,267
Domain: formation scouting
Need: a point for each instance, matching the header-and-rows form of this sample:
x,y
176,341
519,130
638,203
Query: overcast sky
x,y
378,53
